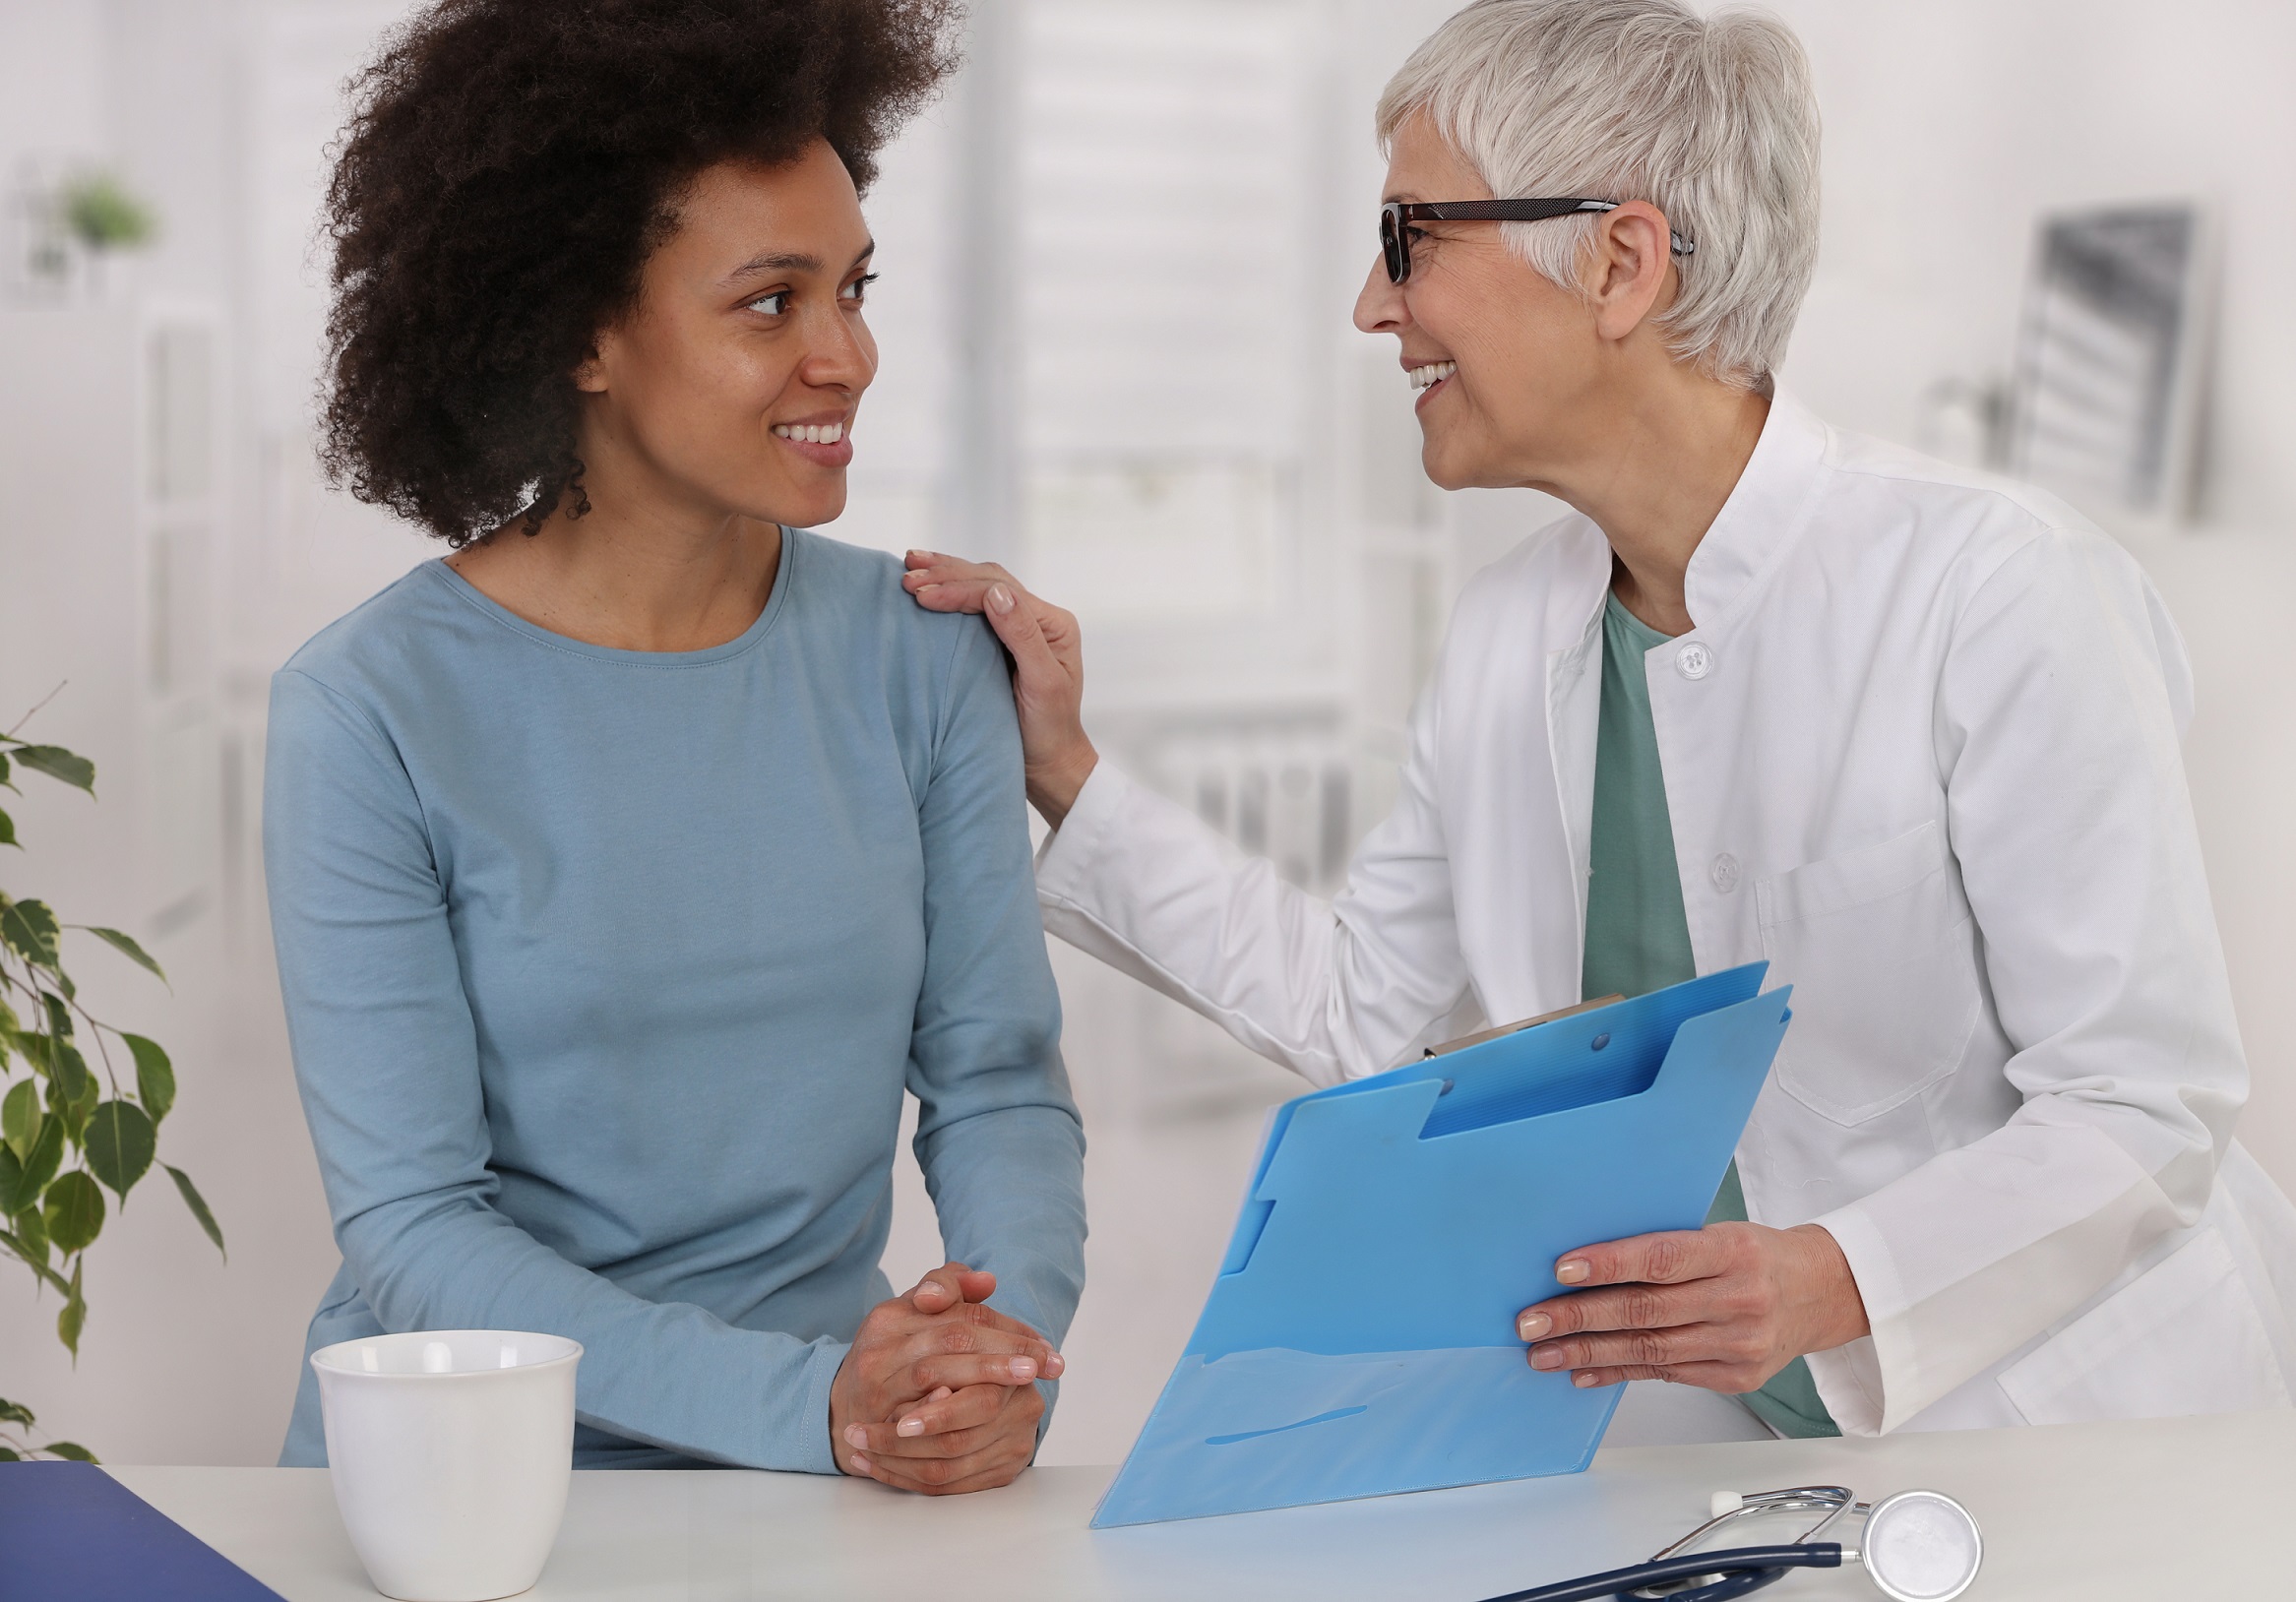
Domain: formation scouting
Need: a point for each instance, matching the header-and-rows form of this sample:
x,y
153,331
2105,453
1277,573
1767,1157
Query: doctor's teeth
x,y
1431,373
811,433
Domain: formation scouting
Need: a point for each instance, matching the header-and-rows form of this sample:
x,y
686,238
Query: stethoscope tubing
x,y
1769,1562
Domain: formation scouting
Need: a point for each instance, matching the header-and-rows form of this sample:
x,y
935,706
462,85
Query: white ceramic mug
x,y
450,1450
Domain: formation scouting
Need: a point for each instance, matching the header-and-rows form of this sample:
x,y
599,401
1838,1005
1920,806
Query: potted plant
x,y
70,1128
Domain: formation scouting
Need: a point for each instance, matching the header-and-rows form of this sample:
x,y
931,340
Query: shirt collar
x,y
1763,515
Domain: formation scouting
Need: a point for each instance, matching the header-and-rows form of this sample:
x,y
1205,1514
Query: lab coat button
x,y
1724,873
1694,660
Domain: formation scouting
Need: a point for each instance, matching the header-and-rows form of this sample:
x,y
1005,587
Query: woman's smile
x,y
825,442
1429,377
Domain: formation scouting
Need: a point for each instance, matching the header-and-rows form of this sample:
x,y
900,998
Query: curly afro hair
x,y
509,167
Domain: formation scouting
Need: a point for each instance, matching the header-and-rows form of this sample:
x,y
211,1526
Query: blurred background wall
x,y
1118,265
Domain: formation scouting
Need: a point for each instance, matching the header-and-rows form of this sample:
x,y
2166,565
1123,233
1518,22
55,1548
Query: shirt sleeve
x,y
1332,990
387,1060
998,1137
2057,725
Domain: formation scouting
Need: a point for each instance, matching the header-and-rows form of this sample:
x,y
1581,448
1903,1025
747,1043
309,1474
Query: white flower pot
x,y
450,1450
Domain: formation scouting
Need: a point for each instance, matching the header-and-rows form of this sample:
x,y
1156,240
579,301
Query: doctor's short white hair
x,y
1709,118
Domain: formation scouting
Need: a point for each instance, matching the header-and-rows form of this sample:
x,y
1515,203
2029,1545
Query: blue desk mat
x,y
70,1530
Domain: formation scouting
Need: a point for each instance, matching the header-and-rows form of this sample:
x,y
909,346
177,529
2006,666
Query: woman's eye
x,y
773,305
856,291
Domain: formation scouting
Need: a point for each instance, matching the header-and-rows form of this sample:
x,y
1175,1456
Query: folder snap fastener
x,y
1599,1041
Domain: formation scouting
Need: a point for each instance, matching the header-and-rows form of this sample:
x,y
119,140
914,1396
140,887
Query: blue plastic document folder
x,y
1360,1338
70,1530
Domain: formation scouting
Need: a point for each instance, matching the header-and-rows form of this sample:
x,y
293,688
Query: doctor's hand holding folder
x,y
1454,1181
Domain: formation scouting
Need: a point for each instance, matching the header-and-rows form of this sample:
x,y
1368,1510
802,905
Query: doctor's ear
x,y
1628,274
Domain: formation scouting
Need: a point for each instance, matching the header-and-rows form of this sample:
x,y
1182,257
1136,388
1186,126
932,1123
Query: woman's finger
x,y
947,594
1646,1348
972,1368
1731,1380
1623,1307
990,1472
952,1427
995,1466
1667,1258
1022,632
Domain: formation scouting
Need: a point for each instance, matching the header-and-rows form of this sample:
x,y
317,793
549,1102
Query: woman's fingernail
x,y
999,599
912,1424
855,1435
1584,1381
1532,1325
1054,1365
1569,1273
1024,1368
1545,1357
859,1462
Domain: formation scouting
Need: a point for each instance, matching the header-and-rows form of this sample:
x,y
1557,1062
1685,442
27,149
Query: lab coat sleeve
x,y
2057,725
1334,990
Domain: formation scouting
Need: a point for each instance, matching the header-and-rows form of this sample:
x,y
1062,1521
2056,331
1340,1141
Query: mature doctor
x,y
1774,690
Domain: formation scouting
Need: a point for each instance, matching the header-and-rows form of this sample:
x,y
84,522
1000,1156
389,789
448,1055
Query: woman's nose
x,y
1380,308
841,357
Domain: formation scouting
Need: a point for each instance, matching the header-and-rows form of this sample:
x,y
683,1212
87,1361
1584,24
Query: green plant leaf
x,y
74,1317
20,1118
7,823
122,944
68,1078
34,1261
155,1075
199,1208
32,1230
28,928
15,1413
75,1214
57,762
4,769
59,1017
120,1141
9,1455
40,1165
69,1448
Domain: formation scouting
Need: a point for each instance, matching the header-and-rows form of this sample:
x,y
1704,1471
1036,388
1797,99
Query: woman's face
x,y
1523,356
729,389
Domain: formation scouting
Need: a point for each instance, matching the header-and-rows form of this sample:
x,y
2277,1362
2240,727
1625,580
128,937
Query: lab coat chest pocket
x,y
1881,950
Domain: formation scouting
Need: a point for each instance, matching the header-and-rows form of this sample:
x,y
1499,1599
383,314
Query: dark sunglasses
x,y
1396,219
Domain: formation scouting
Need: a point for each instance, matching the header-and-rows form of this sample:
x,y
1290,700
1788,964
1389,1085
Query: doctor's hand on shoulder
x,y
1725,1307
1048,668
937,1392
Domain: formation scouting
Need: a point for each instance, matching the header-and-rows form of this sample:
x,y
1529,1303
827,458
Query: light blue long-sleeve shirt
x,y
605,971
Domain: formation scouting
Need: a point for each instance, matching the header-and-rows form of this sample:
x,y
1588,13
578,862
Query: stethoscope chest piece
x,y
1921,1546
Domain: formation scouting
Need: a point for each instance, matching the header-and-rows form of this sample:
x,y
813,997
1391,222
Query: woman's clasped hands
x,y
937,1392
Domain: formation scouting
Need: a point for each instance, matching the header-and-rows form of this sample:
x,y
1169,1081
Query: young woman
x,y
1773,691
629,862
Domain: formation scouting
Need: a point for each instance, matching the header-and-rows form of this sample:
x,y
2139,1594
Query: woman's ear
x,y
589,374
1629,270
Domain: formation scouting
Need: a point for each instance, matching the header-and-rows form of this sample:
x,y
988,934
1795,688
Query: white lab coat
x,y
1921,752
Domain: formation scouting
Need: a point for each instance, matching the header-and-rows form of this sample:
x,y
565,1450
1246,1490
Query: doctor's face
x,y
1502,360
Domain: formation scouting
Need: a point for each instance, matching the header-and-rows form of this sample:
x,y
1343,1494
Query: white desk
x,y
2183,1507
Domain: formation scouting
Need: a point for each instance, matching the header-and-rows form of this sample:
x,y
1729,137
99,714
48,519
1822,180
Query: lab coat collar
x,y
1763,517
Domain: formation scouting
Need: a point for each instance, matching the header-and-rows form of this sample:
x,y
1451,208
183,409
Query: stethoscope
x,y
1920,1546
